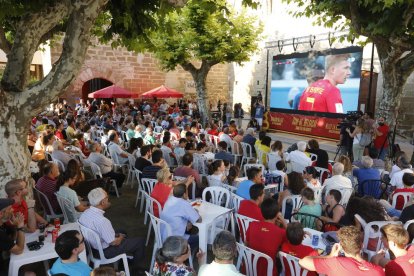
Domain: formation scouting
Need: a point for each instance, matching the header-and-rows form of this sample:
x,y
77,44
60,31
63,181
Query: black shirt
x,y
141,163
150,171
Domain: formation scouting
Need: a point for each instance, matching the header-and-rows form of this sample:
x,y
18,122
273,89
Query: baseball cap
x,y
5,202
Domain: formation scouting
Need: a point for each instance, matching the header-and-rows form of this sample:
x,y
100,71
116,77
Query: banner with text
x,y
303,124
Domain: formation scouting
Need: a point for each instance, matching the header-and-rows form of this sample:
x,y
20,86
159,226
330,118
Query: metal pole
x,y
371,75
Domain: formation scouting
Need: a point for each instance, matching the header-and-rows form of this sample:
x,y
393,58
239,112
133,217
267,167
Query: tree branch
x,y
29,31
4,43
189,67
407,16
76,42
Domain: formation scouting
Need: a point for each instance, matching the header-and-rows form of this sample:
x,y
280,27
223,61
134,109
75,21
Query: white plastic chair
x,y
406,197
243,223
200,163
346,195
247,153
236,200
235,151
149,208
148,185
158,237
230,188
272,158
67,208
131,170
293,263
313,157
248,166
219,196
48,212
193,185
260,155
250,258
296,203
90,235
140,195
96,171
60,165
115,160
322,173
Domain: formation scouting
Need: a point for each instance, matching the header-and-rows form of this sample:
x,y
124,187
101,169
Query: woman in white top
x,y
216,173
310,175
275,155
359,130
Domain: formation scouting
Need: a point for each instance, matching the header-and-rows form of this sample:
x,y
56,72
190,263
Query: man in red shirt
x,y
381,131
251,207
266,236
396,238
350,243
323,95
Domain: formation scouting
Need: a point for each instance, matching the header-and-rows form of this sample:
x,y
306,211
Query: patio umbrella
x,y
112,91
162,92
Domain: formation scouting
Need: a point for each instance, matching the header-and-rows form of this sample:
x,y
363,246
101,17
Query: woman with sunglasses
x,y
171,257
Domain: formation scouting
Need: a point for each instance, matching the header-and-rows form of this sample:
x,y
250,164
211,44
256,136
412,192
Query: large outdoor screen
x,y
323,82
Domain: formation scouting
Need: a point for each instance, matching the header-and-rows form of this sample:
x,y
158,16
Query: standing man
x,y
259,113
323,95
381,130
238,114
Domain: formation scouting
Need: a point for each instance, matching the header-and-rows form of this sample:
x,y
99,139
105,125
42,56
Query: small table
x,y
208,212
308,240
45,253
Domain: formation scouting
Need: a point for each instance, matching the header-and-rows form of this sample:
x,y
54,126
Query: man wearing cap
x,y
6,242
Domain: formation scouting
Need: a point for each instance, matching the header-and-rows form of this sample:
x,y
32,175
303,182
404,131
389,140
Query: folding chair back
x,y
250,258
219,196
291,264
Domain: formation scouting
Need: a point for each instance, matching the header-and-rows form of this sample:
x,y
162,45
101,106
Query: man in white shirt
x,y
225,136
112,243
224,251
116,150
337,181
298,158
404,164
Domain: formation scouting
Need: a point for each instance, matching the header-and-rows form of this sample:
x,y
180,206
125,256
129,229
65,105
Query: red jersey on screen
x,y
267,238
379,140
401,266
343,266
321,96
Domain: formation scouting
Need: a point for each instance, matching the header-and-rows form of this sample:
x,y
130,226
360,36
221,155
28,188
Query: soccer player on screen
x,y
323,95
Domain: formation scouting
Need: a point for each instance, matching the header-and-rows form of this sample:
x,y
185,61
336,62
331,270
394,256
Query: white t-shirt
x,y
396,179
218,269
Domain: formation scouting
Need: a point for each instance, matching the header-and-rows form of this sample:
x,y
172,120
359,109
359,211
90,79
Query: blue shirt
x,y
244,189
365,174
79,268
224,156
177,212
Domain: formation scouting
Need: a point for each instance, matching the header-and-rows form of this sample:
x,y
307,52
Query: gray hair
x,y
338,168
173,247
301,145
13,186
250,131
224,246
96,196
403,162
367,162
93,147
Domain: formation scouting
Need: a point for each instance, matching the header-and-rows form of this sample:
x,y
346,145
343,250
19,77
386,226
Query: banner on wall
x,y
302,124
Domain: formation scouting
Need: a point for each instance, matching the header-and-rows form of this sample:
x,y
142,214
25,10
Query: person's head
x,y
408,179
175,249
346,162
338,168
224,246
69,244
48,139
234,172
337,68
277,146
256,193
180,191
157,157
188,159
99,198
182,142
367,207
222,145
216,167
226,130
255,174
262,134
373,153
266,141
240,132
164,175
394,236
313,144
166,139
95,147
333,197
201,147
350,239
113,137
308,195
189,136
269,208
104,271
366,162
146,151
16,189
310,173
134,143
295,233
404,162
6,210
381,121
250,131
68,176
301,146
280,165
50,170
296,182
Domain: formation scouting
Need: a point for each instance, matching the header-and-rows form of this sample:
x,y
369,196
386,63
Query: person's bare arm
x,y
307,263
18,221
31,216
81,207
117,241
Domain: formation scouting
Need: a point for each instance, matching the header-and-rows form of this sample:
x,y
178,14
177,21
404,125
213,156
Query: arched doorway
x,y
93,85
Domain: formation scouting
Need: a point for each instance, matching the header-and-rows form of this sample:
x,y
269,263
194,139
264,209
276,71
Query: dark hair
x,y
234,172
308,193
145,149
65,243
295,233
336,194
165,139
40,165
269,208
262,134
187,159
266,141
253,172
367,207
201,145
280,165
46,138
179,190
112,136
188,134
69,173
214,166
182,140
256,191
295,183
223,145
156,156
311,170
408,179
313,144
102,271
45,121
46,168
277,145
133,145
226,162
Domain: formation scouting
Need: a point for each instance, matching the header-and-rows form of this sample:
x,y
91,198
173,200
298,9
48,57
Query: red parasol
x,y
112,91
162,92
